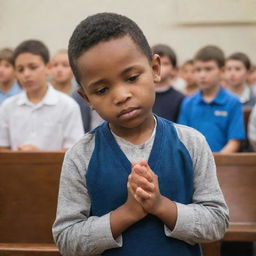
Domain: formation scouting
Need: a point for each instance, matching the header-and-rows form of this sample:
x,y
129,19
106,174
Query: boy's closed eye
x,y
133,78
101,91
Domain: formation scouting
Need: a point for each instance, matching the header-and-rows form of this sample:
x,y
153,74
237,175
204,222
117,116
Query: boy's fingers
x,y
140,181
134,163
142,170
142,194
144,163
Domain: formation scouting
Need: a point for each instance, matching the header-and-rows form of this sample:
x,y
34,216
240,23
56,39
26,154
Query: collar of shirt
x,y
218,100
50,98
163,89
245,96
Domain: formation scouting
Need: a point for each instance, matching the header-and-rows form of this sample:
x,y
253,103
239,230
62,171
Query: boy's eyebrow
x,y
98,82
105,81
127,70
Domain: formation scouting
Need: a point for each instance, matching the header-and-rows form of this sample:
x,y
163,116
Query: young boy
x,y
187,72
237,69
40,118
8,84
61,73
168,100
137,184
213,111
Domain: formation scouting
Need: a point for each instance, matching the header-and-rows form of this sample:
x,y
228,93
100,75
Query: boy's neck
x,y
191,88
209,94
36,96
64,87
238,90
5,87
137,135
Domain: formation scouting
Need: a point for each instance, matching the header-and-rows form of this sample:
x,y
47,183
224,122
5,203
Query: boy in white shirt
x,y
40,118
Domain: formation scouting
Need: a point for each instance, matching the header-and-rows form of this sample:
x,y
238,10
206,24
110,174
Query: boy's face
x,y
119,82
6,72
60,68
207,74
187,72
168,72
31,71
252,78
236,73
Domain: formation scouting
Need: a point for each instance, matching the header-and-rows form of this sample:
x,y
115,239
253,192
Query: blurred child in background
x,y
8,84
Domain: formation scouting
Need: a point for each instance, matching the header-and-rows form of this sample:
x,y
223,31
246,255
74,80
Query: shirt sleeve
x,y
183,113
4,128
72,125
236,129
74,230
206,218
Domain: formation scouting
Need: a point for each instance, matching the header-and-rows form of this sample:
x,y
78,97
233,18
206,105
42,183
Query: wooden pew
x,y
29,187
237,178
28,197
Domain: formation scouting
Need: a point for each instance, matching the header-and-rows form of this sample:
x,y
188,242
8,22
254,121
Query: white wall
x,y
186,25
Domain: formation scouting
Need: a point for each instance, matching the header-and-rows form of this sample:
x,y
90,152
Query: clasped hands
x,y
143,190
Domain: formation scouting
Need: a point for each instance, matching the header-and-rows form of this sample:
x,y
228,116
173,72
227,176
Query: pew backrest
x,y
28,196
237,177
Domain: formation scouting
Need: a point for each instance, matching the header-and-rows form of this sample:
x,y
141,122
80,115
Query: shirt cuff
x,y
103,233
185,224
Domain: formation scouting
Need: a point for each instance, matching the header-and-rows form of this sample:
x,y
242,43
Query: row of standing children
x,y
174,85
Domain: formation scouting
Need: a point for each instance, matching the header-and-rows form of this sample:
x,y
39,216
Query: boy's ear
x,y
156,67
81,92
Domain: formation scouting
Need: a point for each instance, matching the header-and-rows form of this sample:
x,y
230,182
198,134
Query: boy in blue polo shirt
x,y
8,85
213,111
138,184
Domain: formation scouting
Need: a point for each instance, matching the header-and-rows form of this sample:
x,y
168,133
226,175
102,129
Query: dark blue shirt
x,y
219,120
167,104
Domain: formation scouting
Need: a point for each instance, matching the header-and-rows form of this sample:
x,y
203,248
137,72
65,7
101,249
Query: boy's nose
x,y
121,95
26,72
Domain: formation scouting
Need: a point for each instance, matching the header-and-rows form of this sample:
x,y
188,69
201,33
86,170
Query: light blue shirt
x,y
15,89
219,120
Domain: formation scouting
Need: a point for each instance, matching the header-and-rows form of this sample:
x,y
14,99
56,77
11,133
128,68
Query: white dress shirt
x,y
54,123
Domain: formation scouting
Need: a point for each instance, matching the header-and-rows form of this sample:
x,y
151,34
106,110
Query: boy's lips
x,y
128,112
28,83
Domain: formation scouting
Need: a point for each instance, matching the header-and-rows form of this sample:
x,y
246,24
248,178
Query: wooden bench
x,y
28,192
237,178
29,187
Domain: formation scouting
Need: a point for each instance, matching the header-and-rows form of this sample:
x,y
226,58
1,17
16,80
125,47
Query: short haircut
x,y
7,55
61,51
209,53
165,50
188,62
35,47
103,27
241,57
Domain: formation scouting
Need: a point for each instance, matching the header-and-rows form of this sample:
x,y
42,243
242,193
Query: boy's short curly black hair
x,y
103,27
35,47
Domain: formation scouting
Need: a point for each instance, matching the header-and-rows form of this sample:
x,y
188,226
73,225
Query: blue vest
x,y
107,176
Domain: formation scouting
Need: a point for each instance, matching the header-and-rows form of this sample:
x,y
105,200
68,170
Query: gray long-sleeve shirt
x,y
78,233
